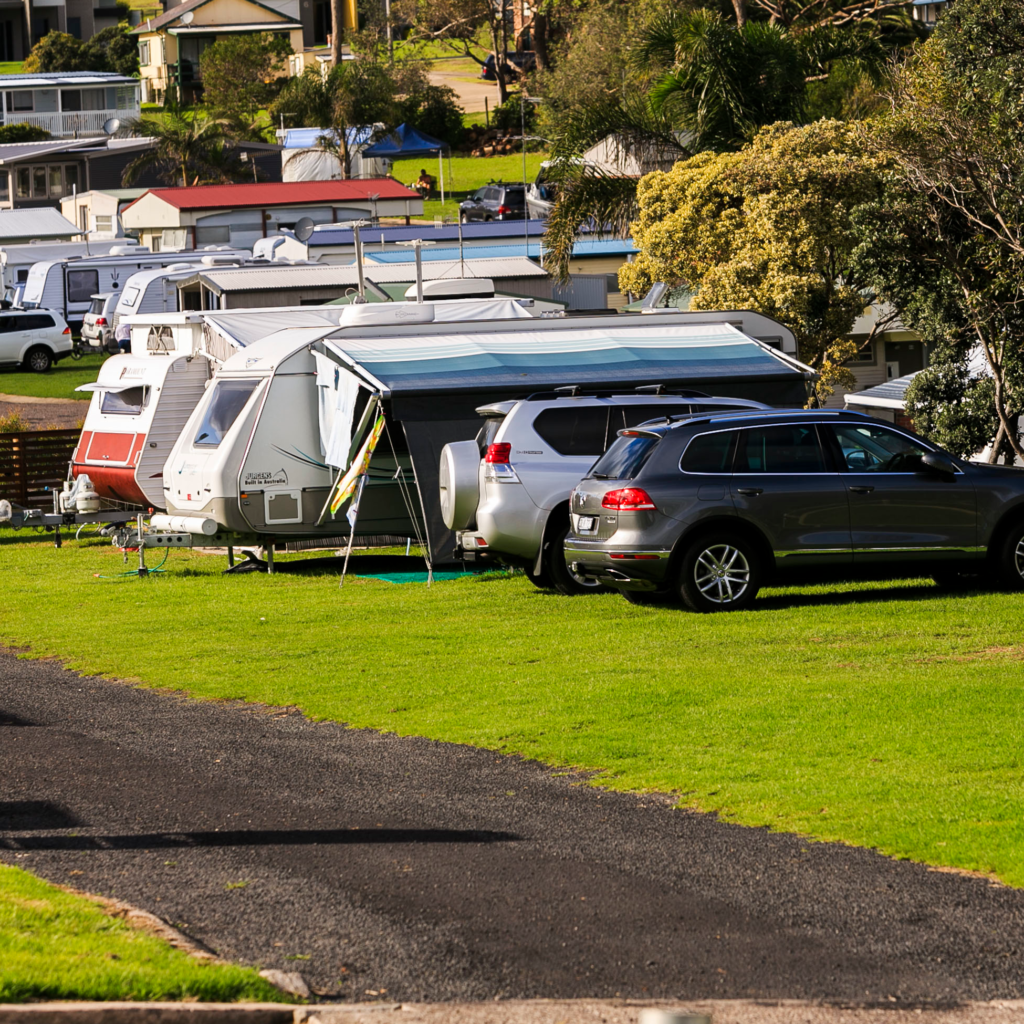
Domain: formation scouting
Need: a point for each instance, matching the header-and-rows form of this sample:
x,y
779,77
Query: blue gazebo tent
x,y
406,141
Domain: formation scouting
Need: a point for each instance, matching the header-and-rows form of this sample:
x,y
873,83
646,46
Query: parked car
x,y
34,338
98,323
494,202
506,494
707,510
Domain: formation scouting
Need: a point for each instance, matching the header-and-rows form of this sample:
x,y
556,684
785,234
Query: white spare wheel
x,y
459,484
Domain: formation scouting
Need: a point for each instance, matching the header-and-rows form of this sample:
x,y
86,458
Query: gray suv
x,y
708,509
506,494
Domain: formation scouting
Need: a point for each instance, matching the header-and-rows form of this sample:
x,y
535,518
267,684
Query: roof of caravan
x,y
338,234
548,353
891,394
249,326
276,277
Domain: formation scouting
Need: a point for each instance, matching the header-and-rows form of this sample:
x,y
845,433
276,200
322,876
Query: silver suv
x,y
506,494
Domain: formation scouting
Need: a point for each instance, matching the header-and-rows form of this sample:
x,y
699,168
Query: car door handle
x,y
750,492
862,488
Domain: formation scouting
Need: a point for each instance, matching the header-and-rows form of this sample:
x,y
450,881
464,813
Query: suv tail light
x,y
504,209
67,330
628,499
101,321
498,453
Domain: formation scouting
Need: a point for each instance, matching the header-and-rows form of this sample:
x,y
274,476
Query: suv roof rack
x,y
584,391
727,416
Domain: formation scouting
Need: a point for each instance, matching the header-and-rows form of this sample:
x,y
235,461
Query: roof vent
x,y
219,261
179,266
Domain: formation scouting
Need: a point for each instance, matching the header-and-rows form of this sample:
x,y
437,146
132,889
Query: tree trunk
x,y
497,36
540,40
740,7
337,31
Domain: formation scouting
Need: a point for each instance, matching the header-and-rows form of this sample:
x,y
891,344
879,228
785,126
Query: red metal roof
x,y
280,193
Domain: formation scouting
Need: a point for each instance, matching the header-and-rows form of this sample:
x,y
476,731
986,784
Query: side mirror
x,y
939,463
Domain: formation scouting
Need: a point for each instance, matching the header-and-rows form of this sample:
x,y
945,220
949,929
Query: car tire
x,y
1010,565
562,578
720,572
38,359
540,580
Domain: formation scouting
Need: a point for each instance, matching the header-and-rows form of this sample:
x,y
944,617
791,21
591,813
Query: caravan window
x,y
129,295
229,398
82,285
129,402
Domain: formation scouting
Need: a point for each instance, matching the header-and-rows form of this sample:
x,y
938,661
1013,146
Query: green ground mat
x,y
412,577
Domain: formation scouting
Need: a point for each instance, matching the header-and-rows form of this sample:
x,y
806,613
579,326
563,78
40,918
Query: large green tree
x,y
111,49
241,75
956,142
771,228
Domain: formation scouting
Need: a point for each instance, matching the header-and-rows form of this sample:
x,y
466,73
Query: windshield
x,y
625,458
129,402
228,400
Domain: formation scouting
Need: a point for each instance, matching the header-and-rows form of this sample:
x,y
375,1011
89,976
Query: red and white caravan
x,y
138,407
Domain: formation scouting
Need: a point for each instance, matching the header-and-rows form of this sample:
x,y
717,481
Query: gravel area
x,y
399,869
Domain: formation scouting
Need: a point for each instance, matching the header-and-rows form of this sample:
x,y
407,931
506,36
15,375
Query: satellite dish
x,y
111,125
186,18
304,229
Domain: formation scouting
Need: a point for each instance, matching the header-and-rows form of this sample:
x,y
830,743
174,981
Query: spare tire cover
x,y
459,484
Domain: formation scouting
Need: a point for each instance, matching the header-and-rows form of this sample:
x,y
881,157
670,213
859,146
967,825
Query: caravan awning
x,y
121,386
511,357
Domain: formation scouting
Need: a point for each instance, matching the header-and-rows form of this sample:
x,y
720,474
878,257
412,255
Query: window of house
x,y
865,355
55,175
5,187
82,285
104,223
213,235
71,100
83,217
38,182
75,27
20,101
144,54
23,189
70,178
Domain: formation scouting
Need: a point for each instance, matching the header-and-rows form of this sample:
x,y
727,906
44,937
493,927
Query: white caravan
x,y
17,260
67,285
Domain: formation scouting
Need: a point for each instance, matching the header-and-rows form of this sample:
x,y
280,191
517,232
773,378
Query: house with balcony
x,y
171,45
69,104
24,22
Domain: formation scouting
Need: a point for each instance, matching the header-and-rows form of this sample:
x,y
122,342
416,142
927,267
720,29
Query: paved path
x,y
407,870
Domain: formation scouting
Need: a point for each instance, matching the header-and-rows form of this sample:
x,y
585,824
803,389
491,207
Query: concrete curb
x,y
537,1011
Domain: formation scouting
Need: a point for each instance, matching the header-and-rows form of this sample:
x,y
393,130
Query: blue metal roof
x,y
497,229
606,247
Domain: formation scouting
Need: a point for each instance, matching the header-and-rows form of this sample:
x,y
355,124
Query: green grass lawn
x,y
468,173
885,715
54,945
59,381
10,67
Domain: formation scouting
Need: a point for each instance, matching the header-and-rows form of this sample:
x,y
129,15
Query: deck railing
x,y
72,123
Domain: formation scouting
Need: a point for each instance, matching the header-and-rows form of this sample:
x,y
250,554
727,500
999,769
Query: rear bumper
x,y
622,568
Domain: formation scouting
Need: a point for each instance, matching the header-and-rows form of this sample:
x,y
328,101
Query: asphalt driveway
x,y
408,870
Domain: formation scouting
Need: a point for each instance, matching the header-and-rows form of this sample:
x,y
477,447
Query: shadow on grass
x,y
872,595
259,837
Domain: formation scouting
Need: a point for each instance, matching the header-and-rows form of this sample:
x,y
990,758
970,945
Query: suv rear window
x,y
625,458
96,306
488,432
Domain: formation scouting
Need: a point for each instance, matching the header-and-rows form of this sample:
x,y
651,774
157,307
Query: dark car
x,y
706,509
497,201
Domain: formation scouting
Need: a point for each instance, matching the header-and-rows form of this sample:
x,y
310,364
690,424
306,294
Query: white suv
x,y
98,323
35,338
506,494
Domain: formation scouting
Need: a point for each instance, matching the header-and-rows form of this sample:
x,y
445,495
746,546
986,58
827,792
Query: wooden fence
x,y
34,463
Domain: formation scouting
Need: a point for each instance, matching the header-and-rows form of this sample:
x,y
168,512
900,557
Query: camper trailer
x,y
17,260
67,285
261,450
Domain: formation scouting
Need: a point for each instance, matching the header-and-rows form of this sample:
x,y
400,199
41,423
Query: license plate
x,y
586,523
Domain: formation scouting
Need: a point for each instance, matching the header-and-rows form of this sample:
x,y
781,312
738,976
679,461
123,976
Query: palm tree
x,y
189,150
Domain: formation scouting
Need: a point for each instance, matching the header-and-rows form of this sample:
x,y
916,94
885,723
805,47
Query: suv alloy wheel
x,y
39,359
720,573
